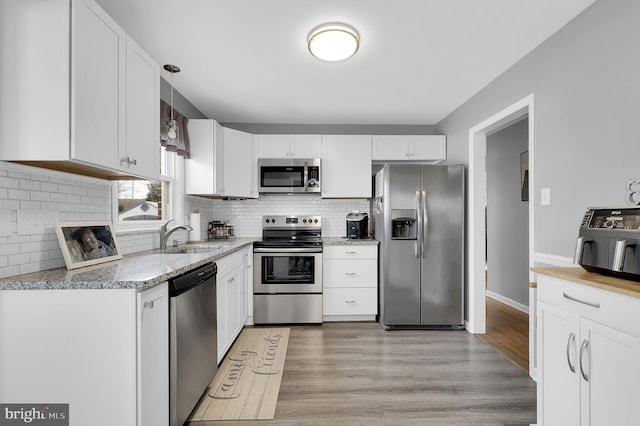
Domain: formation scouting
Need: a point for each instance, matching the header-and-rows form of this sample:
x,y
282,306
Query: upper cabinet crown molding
x,y
76,91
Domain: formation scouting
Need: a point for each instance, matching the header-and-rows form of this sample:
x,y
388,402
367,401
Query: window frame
x,y
174,192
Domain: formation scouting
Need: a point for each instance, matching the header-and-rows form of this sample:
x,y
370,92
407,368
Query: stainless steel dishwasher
x,y
193,346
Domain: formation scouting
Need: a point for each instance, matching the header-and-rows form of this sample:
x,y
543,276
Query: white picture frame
x,y
87,243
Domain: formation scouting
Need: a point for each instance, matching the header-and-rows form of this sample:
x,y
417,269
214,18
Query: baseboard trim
x,y
500,298
553,260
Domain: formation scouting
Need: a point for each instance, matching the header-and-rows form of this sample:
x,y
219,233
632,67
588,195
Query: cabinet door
x,y
346,166
98,93
273,146
390,147
233,295
559,366
153,356
141,148
203,171
432,148
306,146
238,169
222,315
610,363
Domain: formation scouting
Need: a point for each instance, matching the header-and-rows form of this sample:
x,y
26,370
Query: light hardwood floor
x,y
358,374
508,332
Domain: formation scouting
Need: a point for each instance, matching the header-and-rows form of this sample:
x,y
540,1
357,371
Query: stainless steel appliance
x,y
419,220
289,175
193,347
357,225
287,282
608,242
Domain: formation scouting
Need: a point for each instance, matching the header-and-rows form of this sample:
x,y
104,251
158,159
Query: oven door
x,y
287,271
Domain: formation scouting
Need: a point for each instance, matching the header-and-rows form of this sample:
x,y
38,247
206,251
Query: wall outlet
x,y
545,197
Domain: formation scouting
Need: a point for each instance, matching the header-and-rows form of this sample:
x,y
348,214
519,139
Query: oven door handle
x,y
287,250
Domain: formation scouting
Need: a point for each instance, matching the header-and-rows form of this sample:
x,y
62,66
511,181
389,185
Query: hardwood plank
x,y
359,374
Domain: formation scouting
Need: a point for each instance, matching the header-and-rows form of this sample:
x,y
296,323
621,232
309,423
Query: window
x,y
144,204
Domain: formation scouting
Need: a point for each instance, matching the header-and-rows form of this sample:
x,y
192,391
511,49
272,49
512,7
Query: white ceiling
x,y
246,61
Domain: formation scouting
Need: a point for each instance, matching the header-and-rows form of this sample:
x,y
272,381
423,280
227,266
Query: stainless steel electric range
x,y
287,282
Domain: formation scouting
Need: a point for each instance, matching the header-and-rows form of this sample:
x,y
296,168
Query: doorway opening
x,y
477,309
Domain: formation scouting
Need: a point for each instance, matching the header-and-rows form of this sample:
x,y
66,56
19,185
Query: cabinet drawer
x,y
349,273
350,301
351,252
615,310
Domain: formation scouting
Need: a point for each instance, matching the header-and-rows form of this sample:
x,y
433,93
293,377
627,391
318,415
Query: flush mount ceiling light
x,y
172,125
333,41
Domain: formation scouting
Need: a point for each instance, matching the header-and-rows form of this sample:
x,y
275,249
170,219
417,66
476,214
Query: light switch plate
x,y
545,197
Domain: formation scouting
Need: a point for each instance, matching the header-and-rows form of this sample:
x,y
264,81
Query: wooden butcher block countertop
x,y
580,276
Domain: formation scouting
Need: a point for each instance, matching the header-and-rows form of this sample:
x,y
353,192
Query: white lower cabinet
x,y
350,282
588,351
102,351
232,299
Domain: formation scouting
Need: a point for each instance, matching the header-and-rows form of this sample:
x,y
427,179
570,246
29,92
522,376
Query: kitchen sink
x,y
191,249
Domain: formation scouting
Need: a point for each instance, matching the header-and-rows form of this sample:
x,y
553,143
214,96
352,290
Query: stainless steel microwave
x,y
289,175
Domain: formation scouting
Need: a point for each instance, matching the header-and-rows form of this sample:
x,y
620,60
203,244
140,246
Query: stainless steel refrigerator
x,y
418,212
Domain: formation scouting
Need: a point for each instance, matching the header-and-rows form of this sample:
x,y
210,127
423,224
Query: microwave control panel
x,y
627,219
313,175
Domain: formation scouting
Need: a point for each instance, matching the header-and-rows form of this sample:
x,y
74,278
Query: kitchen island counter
x,y
581,276
140,270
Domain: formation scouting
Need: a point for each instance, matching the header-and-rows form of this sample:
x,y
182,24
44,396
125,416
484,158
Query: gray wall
x,y
180,103
507,215
586,84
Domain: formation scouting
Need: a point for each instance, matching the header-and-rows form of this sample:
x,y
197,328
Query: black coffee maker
x,y
357,225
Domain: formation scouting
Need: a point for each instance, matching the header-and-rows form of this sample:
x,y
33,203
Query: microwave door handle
x,y
306,177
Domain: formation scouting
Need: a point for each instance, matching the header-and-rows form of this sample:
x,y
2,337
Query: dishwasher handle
x,y
191,279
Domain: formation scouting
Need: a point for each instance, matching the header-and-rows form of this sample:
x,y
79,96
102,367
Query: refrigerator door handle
x,y
417,242
425,223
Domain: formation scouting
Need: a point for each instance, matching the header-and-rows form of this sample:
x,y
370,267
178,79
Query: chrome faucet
x,y
164,233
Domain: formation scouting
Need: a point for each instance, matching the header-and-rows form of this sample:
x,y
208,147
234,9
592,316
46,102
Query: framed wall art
x,y
87,243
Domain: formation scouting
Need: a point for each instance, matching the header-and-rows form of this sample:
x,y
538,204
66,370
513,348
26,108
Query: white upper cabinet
x,y
77,95
423,148
222,161
289,146
346,166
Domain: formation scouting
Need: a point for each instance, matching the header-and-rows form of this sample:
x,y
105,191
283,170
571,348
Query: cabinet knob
x,y
148,304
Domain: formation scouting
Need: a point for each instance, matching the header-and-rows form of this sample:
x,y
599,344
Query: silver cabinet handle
x,y
350,274
584,348
584,302
148,304
572,339
350,302
350,252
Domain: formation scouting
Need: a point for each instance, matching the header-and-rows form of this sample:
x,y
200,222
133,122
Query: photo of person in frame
x,y
87,243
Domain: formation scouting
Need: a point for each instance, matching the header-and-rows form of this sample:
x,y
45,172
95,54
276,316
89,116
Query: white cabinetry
x,y
232,299
289,146
350,282
91,348
588,347
424,148
222,163
92,92
346,166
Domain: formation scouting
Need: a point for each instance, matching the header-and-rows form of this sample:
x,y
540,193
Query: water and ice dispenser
x,y
403,224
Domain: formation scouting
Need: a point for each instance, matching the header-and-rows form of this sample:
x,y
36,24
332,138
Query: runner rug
x,y
247,383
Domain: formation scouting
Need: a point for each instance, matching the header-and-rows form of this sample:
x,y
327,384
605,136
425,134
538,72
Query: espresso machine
x,y
608,242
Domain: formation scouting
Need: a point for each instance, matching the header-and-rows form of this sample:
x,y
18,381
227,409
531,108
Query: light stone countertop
x,y
344,241
136,271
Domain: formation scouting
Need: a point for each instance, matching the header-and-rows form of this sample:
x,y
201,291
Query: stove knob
x,y
273,221
315,220
304,220
267,220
